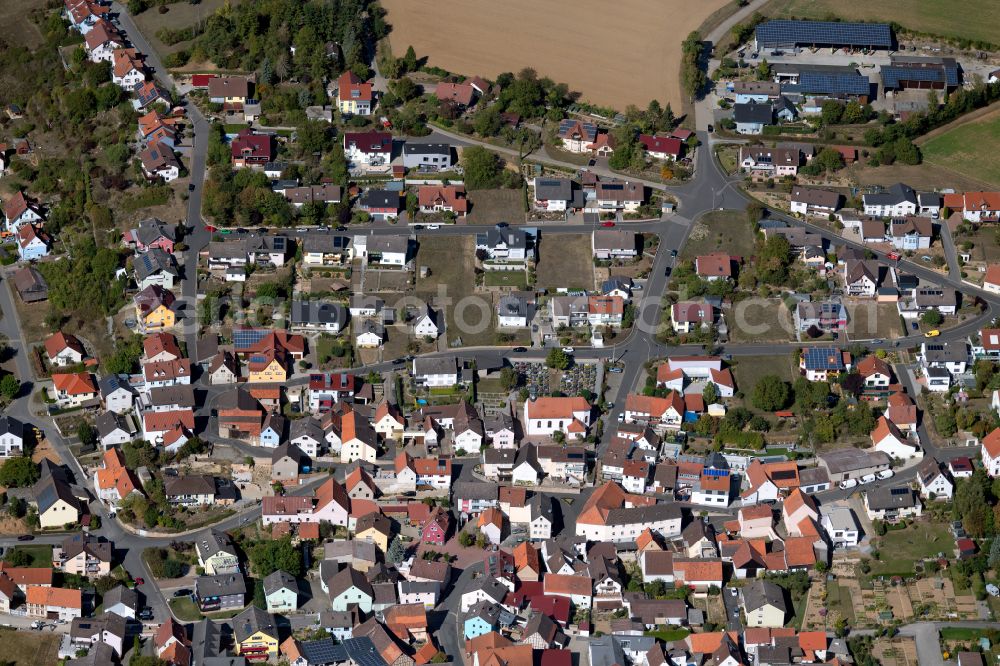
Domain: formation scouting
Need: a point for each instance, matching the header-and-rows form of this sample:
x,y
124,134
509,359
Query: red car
x,y
607,224
210,229
895,256
140,581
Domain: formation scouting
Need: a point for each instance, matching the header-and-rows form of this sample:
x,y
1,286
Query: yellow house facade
x,y
58,514
274,371
161,317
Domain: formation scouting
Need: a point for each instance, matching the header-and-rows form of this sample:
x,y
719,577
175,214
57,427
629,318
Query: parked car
x,y
616,369
146,613
894,256
433,227
914,327
26,537
502,225
519,350
868,478
190,187
932,334
607,224
848,483
183,592
885,474
210,229
568,350
673,253
140,580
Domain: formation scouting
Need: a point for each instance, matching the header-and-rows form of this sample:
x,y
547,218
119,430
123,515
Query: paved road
x,y
710,189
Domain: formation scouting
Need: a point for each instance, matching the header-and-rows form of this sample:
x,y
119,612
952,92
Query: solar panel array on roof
x,y
716,472
783,474
899,491
818,358
823,33
830,83
892,76
247,337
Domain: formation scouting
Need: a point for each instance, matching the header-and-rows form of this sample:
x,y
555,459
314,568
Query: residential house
x,y
113,482
662,147
191,490
824,316
255,634
154,308
155,267
63,349
715,266
83,555
618,195
762,161
507,244
841,527
32,243
319,316
20,210
73,389
428,157
459,94
751,117
122,601
220,592
348,587
989,449
440,371
281,591
53,603
895,201
442,199
910,233
216,554
231,90
891,503
354,96
512,311
370,149
251,150
813,201
553,195
127,70
820,363
577,135
381,205
12,433
877,377
764,604
159,161
860,277
934,483
614,244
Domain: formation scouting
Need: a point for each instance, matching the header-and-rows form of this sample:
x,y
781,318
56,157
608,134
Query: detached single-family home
x,y
910,233
319,316
32,243
63,349
892,503
159,161
764,604
443,198
382,205
373,149
767,162
897,200
934,482
577,135
74,389
814,201
820,363
281,592
553,195
12,434
715,266
614,244
354,96
427,157
662,147
752,117
19,210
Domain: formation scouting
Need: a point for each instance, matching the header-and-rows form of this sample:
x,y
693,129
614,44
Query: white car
x,y
433,227
886,474
848,483
568,350
868,478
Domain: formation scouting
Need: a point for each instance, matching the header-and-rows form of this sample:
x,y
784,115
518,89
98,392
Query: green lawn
x,y
899,549
973,19
668,635
41,555
968,149
516,279
185,609
837,600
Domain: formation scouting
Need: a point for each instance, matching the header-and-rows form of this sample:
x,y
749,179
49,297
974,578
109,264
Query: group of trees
x,y
18,472
85,281
266,557
977,504
693,77
484,169
261,36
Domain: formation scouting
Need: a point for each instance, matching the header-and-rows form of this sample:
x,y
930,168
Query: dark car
x,y
418,226
26,537
183,592
519,350
667,272
673,253
502,225
712,129
262,230
191,187
341,228
241,230
146,613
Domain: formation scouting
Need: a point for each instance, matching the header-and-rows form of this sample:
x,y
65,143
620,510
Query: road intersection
x,y
709,189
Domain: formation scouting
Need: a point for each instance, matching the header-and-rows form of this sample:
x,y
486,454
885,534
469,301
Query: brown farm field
x,y
628,55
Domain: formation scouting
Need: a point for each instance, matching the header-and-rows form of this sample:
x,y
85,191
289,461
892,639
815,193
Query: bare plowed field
x,y
625,53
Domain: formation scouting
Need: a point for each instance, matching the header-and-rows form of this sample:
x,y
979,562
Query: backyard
x,y
900,549
565,261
